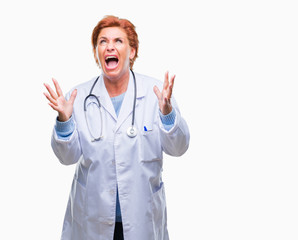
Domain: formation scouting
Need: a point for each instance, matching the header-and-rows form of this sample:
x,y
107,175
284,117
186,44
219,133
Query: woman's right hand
x,y
58,102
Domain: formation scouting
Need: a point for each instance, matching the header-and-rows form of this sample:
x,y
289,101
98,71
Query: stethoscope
x,y
131,131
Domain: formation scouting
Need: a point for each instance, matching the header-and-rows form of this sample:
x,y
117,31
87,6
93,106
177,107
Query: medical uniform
x,y
131,166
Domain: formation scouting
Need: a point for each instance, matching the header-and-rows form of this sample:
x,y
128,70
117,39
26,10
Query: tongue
x,y
112,63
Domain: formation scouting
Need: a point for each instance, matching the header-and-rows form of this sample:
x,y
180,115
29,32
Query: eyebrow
x,y
103,37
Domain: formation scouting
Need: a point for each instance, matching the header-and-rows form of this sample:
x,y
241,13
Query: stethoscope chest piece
x,y
132,132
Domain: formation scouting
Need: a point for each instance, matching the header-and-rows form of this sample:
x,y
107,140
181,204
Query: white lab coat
x,y
132,164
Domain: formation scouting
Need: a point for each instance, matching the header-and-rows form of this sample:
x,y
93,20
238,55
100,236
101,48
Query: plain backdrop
x,y
236,86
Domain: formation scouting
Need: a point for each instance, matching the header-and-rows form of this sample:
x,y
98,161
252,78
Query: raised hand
x,y
164,97
58,102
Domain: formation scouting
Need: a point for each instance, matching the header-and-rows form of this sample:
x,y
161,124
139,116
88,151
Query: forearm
x,y
175,141
65,142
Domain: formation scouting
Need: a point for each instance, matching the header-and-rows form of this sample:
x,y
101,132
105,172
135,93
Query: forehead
x,y
112,32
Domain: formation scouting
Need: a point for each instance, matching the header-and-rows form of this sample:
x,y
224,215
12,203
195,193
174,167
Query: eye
x,y
119,40
102,41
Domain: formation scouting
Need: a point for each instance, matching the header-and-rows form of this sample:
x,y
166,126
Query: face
x,y
113,52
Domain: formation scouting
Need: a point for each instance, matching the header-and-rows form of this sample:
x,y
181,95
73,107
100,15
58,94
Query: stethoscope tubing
x,y
135,99
131,131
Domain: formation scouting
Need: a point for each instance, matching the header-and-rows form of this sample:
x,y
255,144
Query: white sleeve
x,y
175,142
68,150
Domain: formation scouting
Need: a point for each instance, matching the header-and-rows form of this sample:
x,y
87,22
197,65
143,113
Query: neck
x,y
116,85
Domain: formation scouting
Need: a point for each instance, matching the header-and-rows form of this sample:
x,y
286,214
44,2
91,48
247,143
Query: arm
x,y
65,140
68,151
175,141
174,138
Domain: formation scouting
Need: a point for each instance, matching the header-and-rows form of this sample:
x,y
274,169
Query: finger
x,y
157,93
58,89
51,91
166,81
73,96
54,107
172,80
170,89
53,101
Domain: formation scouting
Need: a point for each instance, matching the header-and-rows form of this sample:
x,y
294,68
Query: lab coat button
x,y
112,192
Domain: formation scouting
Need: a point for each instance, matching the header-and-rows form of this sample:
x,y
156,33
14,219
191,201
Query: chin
x,y
115,73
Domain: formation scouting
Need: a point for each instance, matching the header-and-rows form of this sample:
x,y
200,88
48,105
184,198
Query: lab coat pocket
x,y
150,145
159,214
78,195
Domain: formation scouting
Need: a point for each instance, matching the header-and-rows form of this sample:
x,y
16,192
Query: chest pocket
x,y
151,149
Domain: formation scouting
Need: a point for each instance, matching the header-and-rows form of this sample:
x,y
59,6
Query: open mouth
x,y
111,62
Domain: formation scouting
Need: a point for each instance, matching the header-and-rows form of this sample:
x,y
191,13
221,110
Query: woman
x,y
117,136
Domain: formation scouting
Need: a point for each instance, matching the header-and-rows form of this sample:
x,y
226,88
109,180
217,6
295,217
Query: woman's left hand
x,y
164,97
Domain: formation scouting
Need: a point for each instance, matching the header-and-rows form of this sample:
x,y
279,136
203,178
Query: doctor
x,y
116,128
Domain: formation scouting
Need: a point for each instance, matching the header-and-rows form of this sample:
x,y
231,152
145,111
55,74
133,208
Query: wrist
x,y
63,117
166,110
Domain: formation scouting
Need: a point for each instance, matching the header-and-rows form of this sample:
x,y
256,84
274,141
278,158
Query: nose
x,y
110,46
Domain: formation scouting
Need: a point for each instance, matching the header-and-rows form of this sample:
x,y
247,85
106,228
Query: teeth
x,y
111,57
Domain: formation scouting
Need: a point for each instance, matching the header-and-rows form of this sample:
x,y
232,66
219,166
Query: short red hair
x,y
127,26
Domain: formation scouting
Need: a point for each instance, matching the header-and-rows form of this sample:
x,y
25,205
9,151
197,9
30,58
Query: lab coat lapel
x,y
101,92
127,104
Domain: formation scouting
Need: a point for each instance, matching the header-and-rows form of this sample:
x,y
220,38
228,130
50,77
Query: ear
x,y
95,56
132,53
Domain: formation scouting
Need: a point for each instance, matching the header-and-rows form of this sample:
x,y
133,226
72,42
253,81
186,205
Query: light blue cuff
x,y
65,129
168,120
